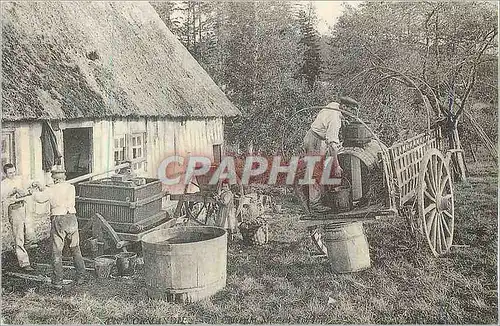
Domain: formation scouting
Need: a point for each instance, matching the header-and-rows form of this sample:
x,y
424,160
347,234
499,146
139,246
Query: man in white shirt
x,y
325,130
12,191
64,224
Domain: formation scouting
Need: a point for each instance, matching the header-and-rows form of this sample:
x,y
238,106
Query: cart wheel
x,y
180,211
435,202
317,235
202,213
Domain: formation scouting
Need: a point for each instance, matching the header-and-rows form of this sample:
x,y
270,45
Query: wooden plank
x,y
408,196
366,211
96,174
104,201
36,278
138,236
64,266
312,220
416,148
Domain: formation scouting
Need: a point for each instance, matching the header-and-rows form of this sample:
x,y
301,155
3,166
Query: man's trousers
x,y
17,218
65,228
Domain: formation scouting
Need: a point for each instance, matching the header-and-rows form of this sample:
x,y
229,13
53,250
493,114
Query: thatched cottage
x,y
111,81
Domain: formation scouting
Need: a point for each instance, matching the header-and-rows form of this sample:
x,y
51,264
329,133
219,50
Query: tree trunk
x,y
473,152
457,159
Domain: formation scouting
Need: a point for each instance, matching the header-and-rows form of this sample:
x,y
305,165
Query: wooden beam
x,y
64,266
36,278
96,174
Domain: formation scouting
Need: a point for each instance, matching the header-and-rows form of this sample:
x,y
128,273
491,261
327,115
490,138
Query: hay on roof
x,y
67,60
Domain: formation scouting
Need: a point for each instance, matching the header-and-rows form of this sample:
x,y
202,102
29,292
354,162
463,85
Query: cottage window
x,y
137,148
8,147
119,149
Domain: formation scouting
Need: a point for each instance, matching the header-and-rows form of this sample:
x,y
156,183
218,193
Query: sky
x,y
328,12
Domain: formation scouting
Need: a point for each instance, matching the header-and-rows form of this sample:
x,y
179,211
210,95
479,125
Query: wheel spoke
x,y
440,173
428,195
429,184
430,221
199,211
443,235
434,168
439,249
429,208
443,183
448,214
445,225
434,232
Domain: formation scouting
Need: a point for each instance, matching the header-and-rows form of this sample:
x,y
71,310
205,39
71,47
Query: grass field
x,y
286,281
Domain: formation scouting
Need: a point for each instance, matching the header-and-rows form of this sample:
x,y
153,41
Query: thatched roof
x,y
67,60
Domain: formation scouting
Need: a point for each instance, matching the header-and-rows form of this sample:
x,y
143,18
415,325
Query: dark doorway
x,y
77,151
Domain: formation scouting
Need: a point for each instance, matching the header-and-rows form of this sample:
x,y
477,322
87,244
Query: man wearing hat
x,y
64,225
325,130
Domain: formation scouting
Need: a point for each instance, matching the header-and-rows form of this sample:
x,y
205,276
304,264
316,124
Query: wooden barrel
x,y
368,153
185,264
339,199
360,165
356,134
347,246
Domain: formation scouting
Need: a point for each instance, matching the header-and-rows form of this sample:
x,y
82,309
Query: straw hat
x,y
57,171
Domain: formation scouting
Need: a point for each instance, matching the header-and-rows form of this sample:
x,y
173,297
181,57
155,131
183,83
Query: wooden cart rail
x,y
406,158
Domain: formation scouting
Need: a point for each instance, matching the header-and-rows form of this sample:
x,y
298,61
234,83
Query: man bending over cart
x,y
325,130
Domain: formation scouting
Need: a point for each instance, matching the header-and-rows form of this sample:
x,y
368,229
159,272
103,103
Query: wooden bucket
x,y
342,199
103,266
348,249
126,263
185,264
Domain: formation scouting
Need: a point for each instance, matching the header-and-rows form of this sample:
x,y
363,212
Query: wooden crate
x,y
108,189
119,203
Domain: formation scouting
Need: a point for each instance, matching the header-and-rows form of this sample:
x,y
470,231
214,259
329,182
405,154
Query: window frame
x,y
12,146
120,150
217,152
140,166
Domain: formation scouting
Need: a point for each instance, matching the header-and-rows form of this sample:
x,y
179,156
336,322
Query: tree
x,y
253,51
166,10
424,57
310,69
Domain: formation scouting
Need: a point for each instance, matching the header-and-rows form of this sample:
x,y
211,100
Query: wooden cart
x,y
202,206
415,177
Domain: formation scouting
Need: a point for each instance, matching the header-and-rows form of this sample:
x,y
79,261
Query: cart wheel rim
x,y
200,212
436,202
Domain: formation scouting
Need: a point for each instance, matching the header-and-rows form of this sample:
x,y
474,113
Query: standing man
x,y
325,130
12,192
64,225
